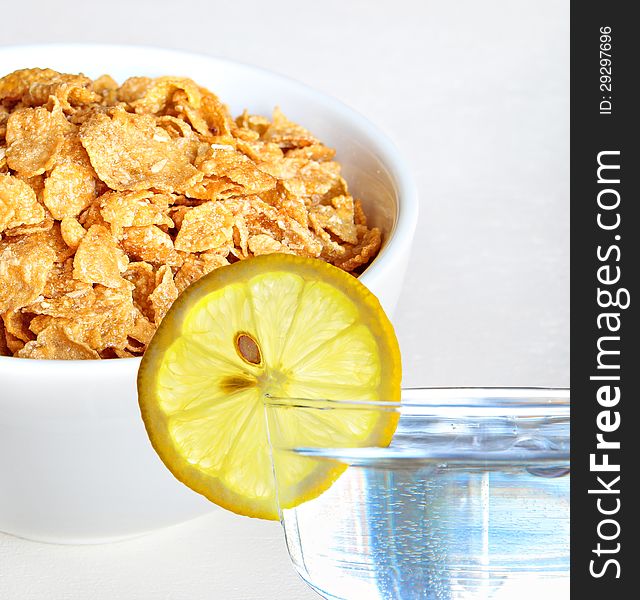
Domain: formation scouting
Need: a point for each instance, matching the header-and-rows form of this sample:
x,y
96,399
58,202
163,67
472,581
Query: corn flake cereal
x,y
164,295
96,259
287,134
264,244
16,323
18,204
196,266
24,266
150,244
135,209
142,276
54,342
205,227
72,232
34,136
369,242
130,152
223,161
4,349
68,190
115,198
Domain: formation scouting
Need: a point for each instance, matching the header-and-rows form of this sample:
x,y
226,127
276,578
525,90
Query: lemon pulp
x,y
280,325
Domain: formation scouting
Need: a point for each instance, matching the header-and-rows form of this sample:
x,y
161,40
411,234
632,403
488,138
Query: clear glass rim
x,y
444,399
444,414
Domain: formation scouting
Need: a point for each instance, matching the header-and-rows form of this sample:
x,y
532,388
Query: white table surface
x,y
476,96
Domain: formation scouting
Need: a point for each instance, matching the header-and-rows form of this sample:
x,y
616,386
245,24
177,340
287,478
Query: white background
x,y
475,95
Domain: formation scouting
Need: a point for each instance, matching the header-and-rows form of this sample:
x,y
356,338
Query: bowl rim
x,y
404,227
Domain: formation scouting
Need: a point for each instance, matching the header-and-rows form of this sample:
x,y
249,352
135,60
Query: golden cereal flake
x,y
150,244
54,343
100,318
135,209
69,189
286,133
240,235
92,216
331,249
257,216
154,95
338,218
256,123
319,179
205,227
317,152
196,266
287,168
289,204
309,179
130,152
80,327
14,86
165,293
175,127
215,114
299,239
72,152
60,282
70,91
240,134
104,85
192,116
133,89
115,310
16,323
34,136
120,353
18,204
13,343
53,238
177,214
260,152
369,241
64,305
72,232
36,183
223,161
45,225
143,278
264,244
213,188
24,266
135,347
359,216
4,348
98,259
142,329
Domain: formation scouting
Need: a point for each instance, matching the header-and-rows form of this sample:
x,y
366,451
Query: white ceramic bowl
x,y
75,461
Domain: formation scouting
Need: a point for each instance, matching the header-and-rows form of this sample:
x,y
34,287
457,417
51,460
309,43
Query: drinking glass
x,y
470,500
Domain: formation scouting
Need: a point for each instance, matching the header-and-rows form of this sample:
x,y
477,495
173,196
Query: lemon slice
x,y
280,325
